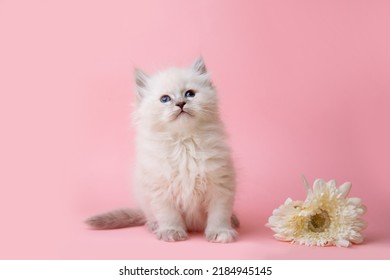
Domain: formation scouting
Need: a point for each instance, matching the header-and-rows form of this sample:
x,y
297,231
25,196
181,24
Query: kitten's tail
x,y
120,218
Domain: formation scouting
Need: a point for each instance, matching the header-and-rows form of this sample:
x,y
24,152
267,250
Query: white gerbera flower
x,y
327,217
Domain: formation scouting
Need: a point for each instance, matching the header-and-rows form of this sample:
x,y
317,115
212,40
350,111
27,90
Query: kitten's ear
x,y
141,83
199,66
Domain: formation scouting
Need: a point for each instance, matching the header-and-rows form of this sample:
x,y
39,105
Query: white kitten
x,y
184,176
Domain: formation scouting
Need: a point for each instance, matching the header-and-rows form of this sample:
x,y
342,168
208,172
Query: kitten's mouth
x,y
183,113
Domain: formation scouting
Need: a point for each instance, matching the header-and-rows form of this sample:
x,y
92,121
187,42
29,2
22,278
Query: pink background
x,y
304,89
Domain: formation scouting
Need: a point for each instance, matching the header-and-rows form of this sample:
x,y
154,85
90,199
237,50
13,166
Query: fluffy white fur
x,y
184,176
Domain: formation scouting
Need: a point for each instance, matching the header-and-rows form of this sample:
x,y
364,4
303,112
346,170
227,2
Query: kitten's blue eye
x,y
189,93
165,98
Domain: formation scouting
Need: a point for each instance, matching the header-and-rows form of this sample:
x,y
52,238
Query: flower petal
x,y
361,210
331,184
319,185
282,237
273,221
359,224
364,208
288,201
345,188
342,243
354,201
306,184
356,237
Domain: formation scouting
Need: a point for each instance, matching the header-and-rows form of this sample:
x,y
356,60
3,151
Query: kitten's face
x,y
177,98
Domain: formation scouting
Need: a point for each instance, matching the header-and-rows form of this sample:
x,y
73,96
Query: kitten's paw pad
x,y
221,235
171,235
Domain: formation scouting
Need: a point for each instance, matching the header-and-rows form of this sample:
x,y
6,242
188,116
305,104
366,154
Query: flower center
x,y
319,222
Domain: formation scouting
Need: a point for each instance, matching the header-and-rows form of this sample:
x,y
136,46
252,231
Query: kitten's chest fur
x,y
184,172
187,159
190,178
188,164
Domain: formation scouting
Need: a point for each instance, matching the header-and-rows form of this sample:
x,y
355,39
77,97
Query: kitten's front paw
x,y
171,235
224,235
152,226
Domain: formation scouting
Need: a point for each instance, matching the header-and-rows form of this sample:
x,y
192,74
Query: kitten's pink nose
x,y
180,104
